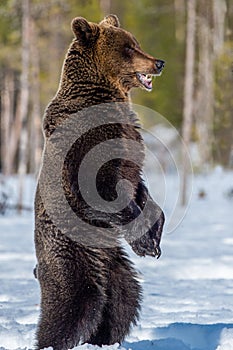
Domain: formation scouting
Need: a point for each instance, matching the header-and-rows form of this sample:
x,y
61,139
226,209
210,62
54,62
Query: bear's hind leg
x,y
122,308
71,305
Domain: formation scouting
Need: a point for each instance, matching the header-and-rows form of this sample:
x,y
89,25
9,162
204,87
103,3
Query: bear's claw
x,y
158,252
146,246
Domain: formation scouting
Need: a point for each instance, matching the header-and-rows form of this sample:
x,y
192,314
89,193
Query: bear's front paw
x,y
146,245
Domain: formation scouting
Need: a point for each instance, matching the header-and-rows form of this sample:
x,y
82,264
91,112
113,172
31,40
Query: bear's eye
x,y
129,50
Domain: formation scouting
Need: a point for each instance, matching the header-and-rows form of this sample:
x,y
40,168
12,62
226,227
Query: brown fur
x,y
90,293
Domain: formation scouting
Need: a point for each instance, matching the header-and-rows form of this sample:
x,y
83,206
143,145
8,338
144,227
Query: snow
x,y
188,292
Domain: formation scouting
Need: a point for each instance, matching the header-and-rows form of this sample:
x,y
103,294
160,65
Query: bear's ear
x,y
84,32
111,20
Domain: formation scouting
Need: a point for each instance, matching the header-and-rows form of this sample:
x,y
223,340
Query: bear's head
x,y
106,52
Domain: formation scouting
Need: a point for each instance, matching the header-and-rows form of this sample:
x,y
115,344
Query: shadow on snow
x,y
182,336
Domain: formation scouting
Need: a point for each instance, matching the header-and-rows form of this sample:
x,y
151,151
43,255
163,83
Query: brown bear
x,y
89,289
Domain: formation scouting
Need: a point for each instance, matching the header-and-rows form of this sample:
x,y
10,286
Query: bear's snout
x,y
159,64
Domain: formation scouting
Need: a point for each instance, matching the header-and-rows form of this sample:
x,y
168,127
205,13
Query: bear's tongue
x,y
146,80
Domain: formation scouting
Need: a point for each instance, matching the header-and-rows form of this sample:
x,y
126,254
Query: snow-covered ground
x,y
188,292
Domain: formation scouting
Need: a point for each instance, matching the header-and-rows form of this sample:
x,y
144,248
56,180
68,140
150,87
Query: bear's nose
x,y
159,64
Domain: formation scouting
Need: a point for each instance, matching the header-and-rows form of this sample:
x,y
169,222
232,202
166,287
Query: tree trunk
x,y
35,120
205,98
24,98
105,6
188,93
219,16
210,42
6,118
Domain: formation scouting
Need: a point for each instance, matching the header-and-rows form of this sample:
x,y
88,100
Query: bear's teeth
x,y
146,80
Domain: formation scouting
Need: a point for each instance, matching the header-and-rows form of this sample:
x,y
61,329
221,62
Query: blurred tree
x,y
24,98
35,141
223,117
9,81
106,6
210,38
188,92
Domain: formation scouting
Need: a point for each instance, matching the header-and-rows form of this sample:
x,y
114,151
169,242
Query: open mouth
x,y
146,80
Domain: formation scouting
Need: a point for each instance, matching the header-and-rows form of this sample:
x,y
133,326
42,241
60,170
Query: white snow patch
x,y
94,347
226,341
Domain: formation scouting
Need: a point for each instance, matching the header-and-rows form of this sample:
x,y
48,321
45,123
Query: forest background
x,y
195,92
